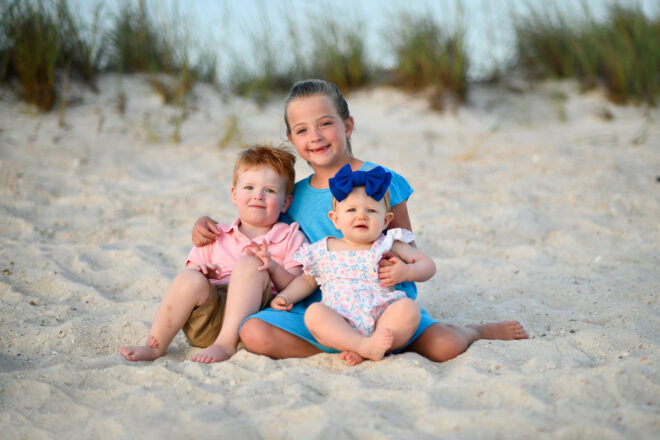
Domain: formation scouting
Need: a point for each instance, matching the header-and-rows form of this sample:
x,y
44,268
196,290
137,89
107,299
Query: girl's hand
x,y
262,253
205,231
281,302
209,270
393,271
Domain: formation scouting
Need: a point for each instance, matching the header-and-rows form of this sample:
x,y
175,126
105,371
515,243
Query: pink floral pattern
x,y
349,279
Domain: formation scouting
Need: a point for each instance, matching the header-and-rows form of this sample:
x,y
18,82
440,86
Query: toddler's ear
x,y
287,202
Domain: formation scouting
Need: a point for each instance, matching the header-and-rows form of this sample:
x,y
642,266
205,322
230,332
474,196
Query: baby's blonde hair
x,y
386,199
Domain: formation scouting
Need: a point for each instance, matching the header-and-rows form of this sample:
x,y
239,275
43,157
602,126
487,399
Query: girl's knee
x,y
255,335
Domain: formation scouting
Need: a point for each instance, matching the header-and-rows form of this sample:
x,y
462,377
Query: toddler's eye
x,y
248,187
270,190
301,131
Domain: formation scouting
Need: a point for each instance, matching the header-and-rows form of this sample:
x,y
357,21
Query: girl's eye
x,y
371,210
350,210
324,123
301,131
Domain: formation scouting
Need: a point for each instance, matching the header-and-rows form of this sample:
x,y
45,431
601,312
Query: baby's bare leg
x,y
188,290
332,330
402,317
244,297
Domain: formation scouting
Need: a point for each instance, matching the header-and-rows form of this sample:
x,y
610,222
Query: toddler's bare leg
x,y
332,330
244,297
188,290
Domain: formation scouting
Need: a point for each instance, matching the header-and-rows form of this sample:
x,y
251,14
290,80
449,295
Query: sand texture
x,y
541,205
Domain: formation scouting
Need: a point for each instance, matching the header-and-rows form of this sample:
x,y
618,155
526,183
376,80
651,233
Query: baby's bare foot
x,y
376,345
140,353
213,353
505,330
351,358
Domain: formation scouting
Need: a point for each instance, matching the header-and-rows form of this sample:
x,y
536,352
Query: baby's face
x,y
360,218
260,196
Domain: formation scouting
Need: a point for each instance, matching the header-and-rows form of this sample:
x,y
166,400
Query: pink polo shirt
x,y
283,241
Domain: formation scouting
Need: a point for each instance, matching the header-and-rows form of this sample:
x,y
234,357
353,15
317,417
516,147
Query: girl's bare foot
x,y
351,358
376,345
213,353
140,353
505,330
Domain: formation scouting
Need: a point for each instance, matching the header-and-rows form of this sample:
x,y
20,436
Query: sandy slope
x,y
542,206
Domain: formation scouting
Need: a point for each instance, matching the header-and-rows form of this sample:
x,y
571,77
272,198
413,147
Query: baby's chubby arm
x,y
280,276
410,265
299,288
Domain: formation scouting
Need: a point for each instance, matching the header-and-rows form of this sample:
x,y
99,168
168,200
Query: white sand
x,y
534,207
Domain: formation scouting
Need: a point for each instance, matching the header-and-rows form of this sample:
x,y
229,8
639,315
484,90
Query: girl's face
x,y
260,196
317,131
360,218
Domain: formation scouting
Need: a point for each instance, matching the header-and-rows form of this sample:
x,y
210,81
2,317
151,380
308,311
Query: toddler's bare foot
x,y
140,353
505,330
213,353
376,345
351,358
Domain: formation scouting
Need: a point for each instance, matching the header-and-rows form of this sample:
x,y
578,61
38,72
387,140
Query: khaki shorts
x,y
203,325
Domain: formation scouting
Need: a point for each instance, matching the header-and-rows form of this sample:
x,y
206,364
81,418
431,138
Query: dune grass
x,y
430,55
46,43
621,53
337,54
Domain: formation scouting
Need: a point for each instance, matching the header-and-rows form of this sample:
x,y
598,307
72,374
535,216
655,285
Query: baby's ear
x,y
388,219
333,218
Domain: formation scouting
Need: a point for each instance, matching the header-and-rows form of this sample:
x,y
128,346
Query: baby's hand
x,y
281,302
394,272
262,253
209,270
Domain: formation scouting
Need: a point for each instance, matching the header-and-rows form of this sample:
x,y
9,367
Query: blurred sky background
x,y
234,25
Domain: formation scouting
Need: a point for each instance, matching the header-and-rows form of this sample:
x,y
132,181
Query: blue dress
x,y
310,208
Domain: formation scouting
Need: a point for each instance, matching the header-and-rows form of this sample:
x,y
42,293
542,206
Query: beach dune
x,y
540,210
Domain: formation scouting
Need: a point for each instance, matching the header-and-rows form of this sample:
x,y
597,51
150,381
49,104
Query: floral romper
x,y
349,279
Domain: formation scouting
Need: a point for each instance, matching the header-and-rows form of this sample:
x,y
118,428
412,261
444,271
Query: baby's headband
x,y
375,182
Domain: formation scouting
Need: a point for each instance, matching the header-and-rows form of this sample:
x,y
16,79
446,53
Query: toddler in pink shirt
x,y
233,277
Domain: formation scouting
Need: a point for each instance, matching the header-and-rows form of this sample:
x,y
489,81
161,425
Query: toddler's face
x,y
360,218
260,196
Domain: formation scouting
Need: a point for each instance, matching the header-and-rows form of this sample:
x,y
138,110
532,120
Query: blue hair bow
x,y
375,182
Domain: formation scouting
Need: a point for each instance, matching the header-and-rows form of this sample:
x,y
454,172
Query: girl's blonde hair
x,y
318,87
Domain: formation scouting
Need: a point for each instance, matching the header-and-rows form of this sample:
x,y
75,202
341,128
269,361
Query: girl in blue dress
x,y
320,126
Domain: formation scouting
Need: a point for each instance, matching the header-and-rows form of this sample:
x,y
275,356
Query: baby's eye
x,y
270,190
371,210
350,210
301,131
248,187
324,123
